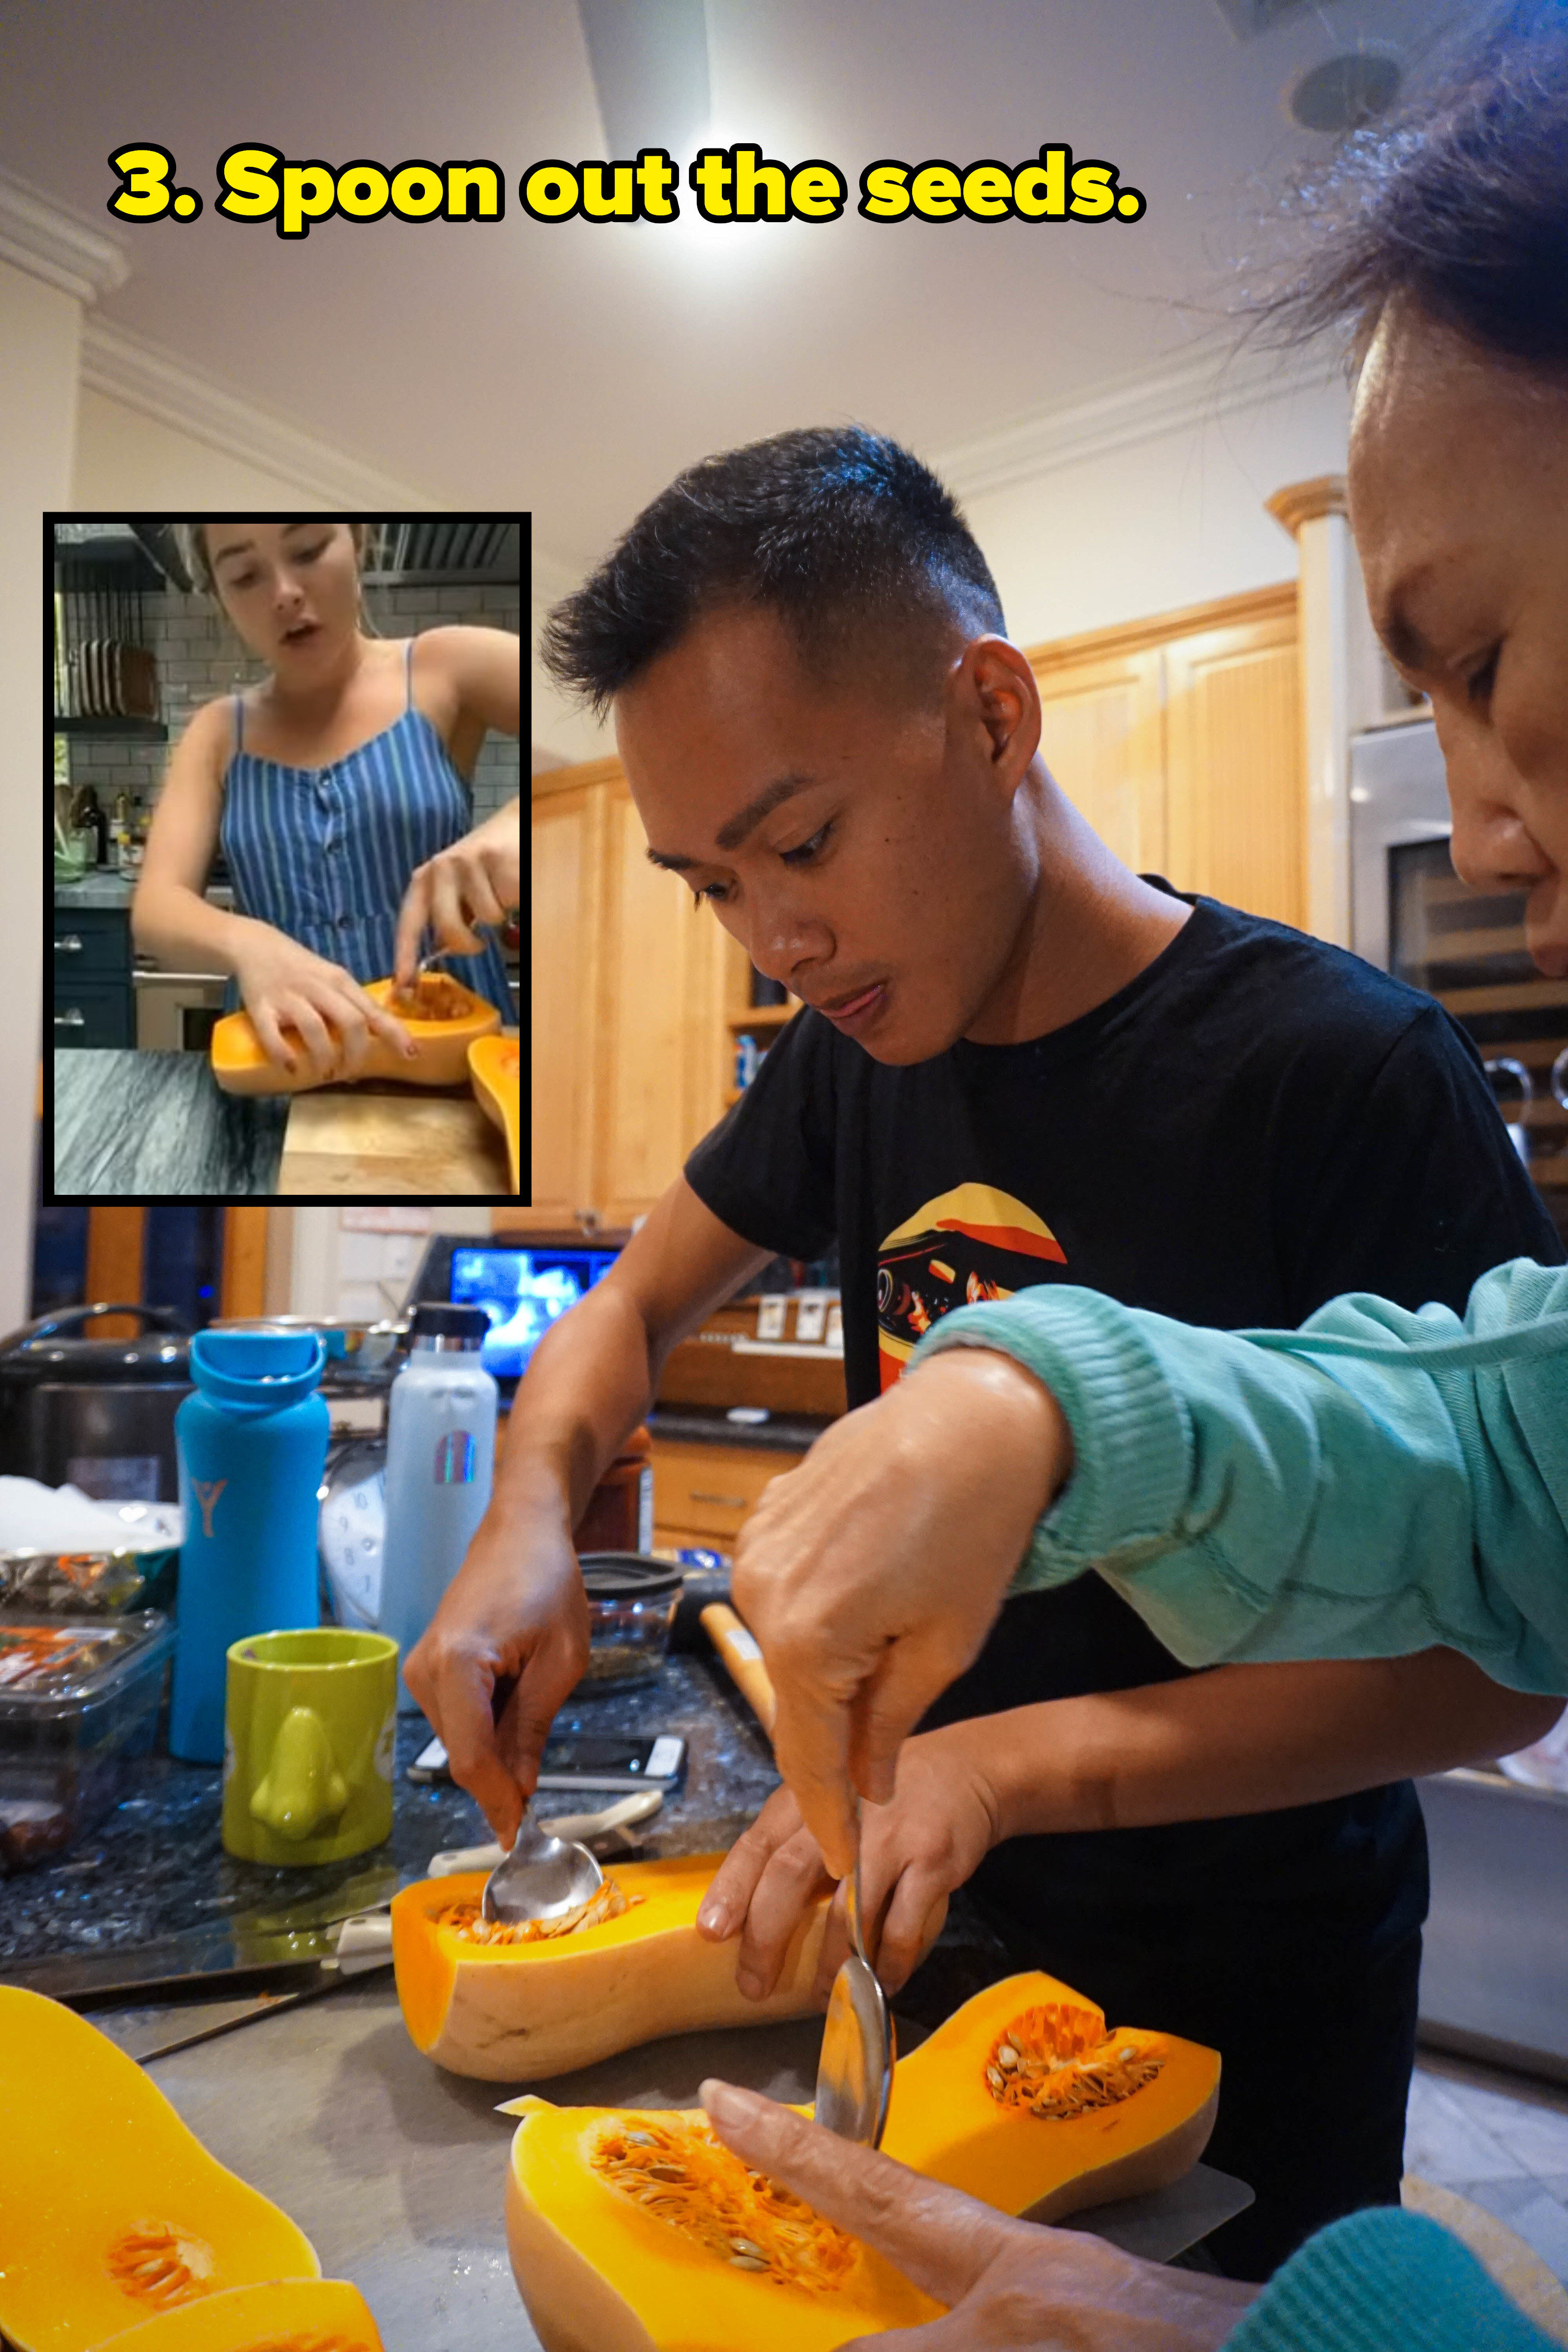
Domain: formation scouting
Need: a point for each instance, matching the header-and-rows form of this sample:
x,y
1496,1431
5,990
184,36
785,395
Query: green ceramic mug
x,y
310,1723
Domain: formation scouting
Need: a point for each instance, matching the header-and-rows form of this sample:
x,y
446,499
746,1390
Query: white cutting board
x,y
347,1141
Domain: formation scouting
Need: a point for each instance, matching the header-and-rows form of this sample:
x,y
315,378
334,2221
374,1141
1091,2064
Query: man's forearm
x,y
588,1385
1245,1739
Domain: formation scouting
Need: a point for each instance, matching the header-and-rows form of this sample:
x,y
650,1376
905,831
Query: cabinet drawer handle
x,y
734,1502
69,945
71,1019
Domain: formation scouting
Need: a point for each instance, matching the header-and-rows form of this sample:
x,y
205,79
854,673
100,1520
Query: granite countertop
x,y
140,1124
156,1863
707,1425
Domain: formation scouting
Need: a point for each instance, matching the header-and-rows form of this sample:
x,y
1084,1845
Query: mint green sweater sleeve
x,y
1384,2281
1377,1483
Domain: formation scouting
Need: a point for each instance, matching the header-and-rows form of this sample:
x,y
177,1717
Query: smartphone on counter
x,y
614,1765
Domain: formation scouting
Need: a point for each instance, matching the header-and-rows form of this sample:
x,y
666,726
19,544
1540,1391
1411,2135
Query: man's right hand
x,y
516,1612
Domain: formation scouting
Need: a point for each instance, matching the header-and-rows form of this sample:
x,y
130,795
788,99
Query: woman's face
x,y
1458,491
291,589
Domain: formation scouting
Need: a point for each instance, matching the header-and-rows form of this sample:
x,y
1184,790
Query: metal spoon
x,y
541,1877
439,955
855,2072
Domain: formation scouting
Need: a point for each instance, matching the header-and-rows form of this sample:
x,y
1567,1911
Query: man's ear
x,y
995,689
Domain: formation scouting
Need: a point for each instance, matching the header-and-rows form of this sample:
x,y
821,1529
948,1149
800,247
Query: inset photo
x,y
286,855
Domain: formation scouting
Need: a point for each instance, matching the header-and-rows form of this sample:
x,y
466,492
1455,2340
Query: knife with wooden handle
x,y
743,1659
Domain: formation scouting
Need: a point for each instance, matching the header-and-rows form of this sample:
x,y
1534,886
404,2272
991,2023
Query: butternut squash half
x,y
519,2013
442,1024
495,1066
639,2232
111,2211
284,2316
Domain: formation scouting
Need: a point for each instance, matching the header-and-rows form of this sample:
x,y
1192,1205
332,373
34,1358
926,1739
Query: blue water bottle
x,y
252,1444
440,1463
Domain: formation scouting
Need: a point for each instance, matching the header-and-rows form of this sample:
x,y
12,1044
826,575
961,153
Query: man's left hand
x,y
914,1850
871,1574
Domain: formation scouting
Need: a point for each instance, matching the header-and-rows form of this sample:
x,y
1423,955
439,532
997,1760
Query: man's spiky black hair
x,y
837,531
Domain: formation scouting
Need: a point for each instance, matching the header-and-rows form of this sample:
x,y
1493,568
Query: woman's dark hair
x,y
1459,203
840,531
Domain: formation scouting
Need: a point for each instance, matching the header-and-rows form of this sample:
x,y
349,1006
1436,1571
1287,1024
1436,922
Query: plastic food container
x,y
79,1698
631,1607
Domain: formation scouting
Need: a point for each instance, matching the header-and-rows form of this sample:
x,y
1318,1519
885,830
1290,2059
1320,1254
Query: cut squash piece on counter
x,y
284,2316
640,2232
441,1028
495,1066
111,2211
519,2012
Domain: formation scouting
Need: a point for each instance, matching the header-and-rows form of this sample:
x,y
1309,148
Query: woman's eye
x,y
805,851
716,892
242,580
1479,683
309,555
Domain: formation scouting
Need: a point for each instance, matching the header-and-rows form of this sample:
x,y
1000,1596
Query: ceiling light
x,y
1344,92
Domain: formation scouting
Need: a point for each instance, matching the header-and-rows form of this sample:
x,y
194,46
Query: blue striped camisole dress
x,y
326,854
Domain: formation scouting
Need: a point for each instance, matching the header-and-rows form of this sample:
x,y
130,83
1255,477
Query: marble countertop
x,y
143,1125
96,889
104,887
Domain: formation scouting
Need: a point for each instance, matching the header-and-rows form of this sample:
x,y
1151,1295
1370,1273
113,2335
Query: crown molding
x,y
126,368
39,236
1174,396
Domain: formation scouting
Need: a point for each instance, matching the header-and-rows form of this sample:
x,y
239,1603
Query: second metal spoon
x,y
855,2072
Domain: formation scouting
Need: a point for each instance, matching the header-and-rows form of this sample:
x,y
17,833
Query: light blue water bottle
x,y
440,1464
252,1444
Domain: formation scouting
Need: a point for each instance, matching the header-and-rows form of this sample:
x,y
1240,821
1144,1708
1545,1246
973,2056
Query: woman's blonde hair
x,y
193,540
193,544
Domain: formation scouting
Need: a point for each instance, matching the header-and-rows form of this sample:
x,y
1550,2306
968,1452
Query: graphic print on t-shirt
x,y
968,1244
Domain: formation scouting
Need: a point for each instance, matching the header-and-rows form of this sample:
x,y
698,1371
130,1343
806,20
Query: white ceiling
x,y
573,369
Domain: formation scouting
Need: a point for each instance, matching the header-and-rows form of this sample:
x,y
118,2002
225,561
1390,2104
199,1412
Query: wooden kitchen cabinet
x,y
703,1492
1102,738
1236,810
659,1072
567,864
1179,739
629,1048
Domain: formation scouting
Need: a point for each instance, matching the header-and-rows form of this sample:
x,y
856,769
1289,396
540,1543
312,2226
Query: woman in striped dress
x,y
337,789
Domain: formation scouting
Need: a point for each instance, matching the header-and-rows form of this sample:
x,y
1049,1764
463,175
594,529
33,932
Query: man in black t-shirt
x,y
1022,1064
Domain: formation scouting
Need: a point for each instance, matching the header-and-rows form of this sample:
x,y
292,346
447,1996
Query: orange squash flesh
x,y
111,2211
519,2013
599,2272
495,1066
945,2119
284,2316
441,1045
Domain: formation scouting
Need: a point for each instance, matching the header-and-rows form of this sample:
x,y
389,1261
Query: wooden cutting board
x,y
349,1142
